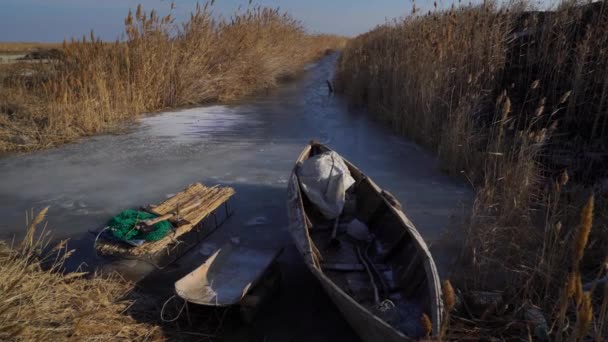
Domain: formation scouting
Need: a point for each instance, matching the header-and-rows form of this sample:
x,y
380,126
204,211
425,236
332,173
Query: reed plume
x,y
449,297
578,289
425,321
511,116
582,235
571,285
28,240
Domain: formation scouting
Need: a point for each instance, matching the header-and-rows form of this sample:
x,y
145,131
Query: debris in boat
x,y
235,240
324,179
383,277
257,221
358,230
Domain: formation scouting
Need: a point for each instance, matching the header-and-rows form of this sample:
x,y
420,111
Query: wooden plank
x,y
170,204
210,199
203,211
195,192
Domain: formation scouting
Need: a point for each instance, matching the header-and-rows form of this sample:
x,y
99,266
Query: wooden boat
x,y
234,275
376,291
203,210
226,277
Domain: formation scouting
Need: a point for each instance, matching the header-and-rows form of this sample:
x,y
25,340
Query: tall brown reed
x,y
159,64
506,97
38,302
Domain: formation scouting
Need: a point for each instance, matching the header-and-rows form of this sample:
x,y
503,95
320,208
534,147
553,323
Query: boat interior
x,y
372,256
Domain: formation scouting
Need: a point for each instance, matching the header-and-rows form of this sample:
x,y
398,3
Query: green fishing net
x,y
123,226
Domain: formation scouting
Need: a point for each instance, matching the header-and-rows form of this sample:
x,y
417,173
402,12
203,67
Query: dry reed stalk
x,y
449,297
425,321
506,97
584,317
160,64
582,235
40,303
449,301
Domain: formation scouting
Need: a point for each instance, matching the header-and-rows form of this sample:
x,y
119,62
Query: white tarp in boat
x,y
324,178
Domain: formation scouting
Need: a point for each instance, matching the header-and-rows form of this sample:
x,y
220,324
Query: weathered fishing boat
x,y
371,260
193,214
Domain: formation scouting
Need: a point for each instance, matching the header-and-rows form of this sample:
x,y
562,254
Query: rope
x,y
162,311
385,290
97,238
370,275
386,305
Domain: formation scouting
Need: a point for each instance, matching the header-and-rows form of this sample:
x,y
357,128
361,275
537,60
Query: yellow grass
x,y
509,99
39,303
162,64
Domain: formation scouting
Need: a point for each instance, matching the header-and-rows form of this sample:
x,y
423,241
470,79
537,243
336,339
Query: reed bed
x,y
160,64
515,100
38,302
41,301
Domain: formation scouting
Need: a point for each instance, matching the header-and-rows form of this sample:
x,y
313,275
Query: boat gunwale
x,y
421,246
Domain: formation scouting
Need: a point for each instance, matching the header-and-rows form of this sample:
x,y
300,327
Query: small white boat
x,y
227,276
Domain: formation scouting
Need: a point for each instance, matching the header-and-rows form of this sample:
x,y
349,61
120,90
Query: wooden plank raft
x,y
205,209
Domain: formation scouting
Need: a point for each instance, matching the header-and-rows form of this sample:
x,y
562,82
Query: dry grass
x,y
39,303
161,64
25,47
511,99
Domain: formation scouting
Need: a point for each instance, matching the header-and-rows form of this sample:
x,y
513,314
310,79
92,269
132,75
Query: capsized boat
x,y
370,259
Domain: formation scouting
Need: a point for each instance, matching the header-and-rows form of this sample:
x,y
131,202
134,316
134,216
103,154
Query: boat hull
x,y
368,326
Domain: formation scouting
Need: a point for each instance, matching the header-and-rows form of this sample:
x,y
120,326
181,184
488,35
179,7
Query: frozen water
x,y
251,146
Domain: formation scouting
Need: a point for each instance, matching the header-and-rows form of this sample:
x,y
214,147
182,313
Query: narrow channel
x,y
250,146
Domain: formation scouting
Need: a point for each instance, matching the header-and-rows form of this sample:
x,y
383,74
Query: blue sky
x,y
54,20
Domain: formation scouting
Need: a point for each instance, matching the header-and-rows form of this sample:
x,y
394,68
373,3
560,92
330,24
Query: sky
x,y
54,20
